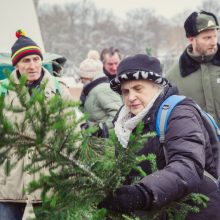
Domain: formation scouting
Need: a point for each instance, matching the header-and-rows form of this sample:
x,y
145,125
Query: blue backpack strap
x,y
211,119
4,87
163,115
206,116
57,86
213,123
162,118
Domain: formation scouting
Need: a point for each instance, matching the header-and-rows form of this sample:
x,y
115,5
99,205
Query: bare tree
x,y
73,29
211,6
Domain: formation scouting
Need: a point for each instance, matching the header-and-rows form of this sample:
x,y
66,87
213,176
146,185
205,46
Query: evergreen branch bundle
x,y
76,171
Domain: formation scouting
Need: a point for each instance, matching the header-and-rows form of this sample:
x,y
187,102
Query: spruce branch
x,y
76,171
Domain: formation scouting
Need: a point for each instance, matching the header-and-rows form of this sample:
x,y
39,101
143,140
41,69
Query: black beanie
x,y
22,47
138,67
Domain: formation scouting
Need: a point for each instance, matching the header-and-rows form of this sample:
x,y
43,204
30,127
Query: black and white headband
x,y
115,83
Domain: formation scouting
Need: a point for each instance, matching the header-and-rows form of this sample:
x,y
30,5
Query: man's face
x,y
205,43
137,94
111,63
30,66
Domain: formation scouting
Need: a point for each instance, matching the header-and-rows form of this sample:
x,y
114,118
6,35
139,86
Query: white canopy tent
x,y
21,14
17,14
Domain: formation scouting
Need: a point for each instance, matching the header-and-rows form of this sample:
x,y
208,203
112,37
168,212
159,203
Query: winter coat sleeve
x,y
185,146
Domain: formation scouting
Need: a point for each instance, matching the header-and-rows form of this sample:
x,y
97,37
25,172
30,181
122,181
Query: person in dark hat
x,y
27,59
143,88
196,74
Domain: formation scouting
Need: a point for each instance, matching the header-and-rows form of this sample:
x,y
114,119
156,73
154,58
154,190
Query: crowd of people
x,y
119,93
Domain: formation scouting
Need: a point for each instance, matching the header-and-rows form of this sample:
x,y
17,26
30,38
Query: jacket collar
x,y
35,84
110,77
87,88
188,65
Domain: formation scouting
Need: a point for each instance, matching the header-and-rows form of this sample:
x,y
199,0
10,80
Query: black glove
x,y
101,131
127,199
84,126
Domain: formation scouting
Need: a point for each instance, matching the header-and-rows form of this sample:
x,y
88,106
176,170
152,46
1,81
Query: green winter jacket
x,y
101,103
200,81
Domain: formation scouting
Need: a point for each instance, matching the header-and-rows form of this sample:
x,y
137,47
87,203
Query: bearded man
x,y
197,73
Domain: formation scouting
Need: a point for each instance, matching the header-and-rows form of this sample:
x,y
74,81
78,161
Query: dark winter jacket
x,y
189,154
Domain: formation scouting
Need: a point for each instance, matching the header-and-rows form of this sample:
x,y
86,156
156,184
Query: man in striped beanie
x,y
22,47
27,57
15,202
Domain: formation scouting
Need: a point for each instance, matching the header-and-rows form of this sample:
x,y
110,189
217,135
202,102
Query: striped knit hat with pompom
x,y
22,47
91,66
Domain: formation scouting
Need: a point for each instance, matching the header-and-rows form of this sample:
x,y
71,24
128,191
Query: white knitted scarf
x,y
126,123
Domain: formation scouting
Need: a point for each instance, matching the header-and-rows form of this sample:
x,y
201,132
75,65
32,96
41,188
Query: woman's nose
x,y
131,96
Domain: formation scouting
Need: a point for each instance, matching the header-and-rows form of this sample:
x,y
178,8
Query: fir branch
x,y
74,162
82,170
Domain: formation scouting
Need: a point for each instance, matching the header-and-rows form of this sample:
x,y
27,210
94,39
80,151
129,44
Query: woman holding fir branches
x,y
140,82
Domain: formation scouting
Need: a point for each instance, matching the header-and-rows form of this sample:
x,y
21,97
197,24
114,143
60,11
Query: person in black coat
x,y
140,82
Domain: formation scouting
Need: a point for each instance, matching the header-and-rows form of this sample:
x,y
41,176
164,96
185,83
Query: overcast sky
x,y
166,8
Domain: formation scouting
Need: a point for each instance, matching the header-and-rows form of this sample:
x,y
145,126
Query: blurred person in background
x,y
110,58
97,98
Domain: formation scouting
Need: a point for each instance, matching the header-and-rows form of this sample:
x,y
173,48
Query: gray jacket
x,y
101,103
